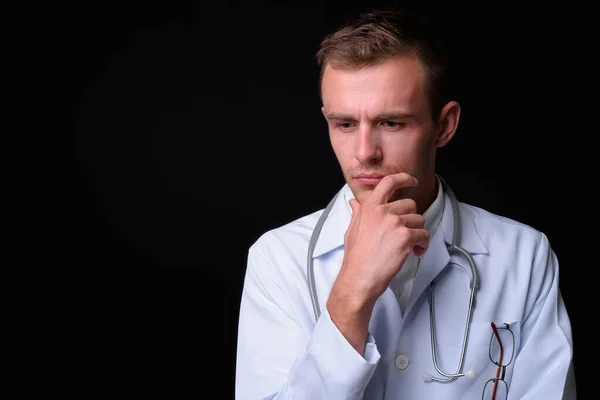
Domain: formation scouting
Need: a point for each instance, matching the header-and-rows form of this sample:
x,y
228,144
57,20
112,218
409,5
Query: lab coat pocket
x,y
504,345
480,351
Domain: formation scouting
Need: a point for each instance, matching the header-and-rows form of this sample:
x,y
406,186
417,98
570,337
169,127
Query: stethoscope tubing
x,y
453,248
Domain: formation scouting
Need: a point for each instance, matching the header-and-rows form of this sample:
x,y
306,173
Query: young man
x,y
376,326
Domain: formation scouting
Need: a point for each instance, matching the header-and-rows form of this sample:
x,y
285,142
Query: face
x,y
380,123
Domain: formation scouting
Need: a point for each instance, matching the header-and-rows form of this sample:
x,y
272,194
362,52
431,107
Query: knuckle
x,y
380,210
412,206
403,234
420,220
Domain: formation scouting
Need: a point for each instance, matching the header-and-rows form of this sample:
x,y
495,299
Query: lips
x,y
369,178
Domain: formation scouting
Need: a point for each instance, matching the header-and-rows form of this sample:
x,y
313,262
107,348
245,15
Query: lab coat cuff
x,y
342,363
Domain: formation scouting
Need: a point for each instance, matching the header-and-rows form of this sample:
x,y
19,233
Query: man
x,y
373,331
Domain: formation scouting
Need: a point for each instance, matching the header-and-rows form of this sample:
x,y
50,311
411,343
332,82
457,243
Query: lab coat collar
x,y
334,229
469,236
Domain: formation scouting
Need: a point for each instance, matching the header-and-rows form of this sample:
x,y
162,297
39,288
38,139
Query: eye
x,y
393,125
345,126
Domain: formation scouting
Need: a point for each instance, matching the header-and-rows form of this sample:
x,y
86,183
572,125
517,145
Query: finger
x,y
419,250
402,206
412,221
384,189
421,241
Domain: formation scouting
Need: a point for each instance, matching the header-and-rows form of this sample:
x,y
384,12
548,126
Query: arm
x,y
278,356
543,367
277,359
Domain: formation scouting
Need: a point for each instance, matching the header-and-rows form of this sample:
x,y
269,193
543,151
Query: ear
x,y
447,123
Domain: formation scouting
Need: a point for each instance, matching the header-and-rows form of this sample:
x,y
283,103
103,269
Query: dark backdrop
x,y
158,140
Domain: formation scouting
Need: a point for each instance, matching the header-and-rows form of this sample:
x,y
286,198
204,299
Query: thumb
x,y
354,205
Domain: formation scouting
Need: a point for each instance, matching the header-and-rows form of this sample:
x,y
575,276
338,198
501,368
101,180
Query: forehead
x,y
398,83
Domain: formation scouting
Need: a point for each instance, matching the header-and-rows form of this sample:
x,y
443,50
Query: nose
x,y
368,150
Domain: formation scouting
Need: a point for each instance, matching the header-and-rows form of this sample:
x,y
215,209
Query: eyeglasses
x,y
502,349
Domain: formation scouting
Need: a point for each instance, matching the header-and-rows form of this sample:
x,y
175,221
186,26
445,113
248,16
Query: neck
x,y
427,193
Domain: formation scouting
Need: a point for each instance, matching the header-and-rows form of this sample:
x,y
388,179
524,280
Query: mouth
x,y
370,179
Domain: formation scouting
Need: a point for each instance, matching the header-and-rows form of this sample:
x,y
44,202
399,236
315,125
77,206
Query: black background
x,y
157,140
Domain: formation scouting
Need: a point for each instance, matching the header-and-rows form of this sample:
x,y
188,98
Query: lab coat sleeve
x,y
277,359
543,367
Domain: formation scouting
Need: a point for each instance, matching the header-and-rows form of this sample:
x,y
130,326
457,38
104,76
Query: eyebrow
x,y
381,117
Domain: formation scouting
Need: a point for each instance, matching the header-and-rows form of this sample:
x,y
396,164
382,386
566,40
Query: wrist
x,y
348,300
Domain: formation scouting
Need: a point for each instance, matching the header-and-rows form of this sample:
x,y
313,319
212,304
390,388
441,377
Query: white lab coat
x,y
282,353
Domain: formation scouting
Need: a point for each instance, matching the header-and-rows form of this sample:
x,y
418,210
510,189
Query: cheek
x,y
341,147
407,155
398,152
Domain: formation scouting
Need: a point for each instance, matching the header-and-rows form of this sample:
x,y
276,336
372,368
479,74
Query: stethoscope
x,y
453,248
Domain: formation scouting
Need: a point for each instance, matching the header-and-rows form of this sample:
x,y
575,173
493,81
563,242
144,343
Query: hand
x,y
380,236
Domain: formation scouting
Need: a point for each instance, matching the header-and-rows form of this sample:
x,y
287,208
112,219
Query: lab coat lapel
x,y
437,256
432,262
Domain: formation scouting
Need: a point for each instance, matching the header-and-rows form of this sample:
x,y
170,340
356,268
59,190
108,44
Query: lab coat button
x,y
402,362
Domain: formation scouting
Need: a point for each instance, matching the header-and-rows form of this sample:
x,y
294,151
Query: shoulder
x,y
289,237
278,257
486,219
502,233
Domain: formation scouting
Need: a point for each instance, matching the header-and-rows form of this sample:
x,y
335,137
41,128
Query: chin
x,y
361,193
